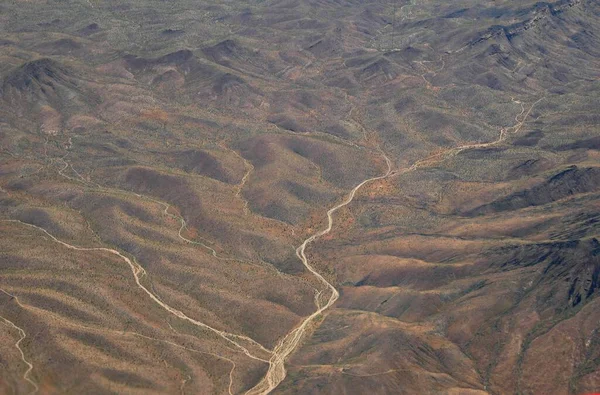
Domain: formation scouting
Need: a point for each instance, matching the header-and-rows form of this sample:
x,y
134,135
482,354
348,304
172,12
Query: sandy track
x,y
277,373
122,333
138,272
23,335
288,344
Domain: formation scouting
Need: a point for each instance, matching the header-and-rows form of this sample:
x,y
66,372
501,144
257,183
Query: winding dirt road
x,y
277,372
138,272
23,335
504,133
288,344
122,333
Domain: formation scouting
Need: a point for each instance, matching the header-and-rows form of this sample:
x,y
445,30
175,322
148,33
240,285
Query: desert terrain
x,y
299,197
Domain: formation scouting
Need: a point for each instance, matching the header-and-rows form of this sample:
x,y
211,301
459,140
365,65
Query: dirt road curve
x,y
288,344
277,373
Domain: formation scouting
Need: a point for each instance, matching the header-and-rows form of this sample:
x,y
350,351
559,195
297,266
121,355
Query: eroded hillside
x,y
166,171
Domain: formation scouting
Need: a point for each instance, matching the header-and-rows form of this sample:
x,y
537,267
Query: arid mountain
x,y
323,197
